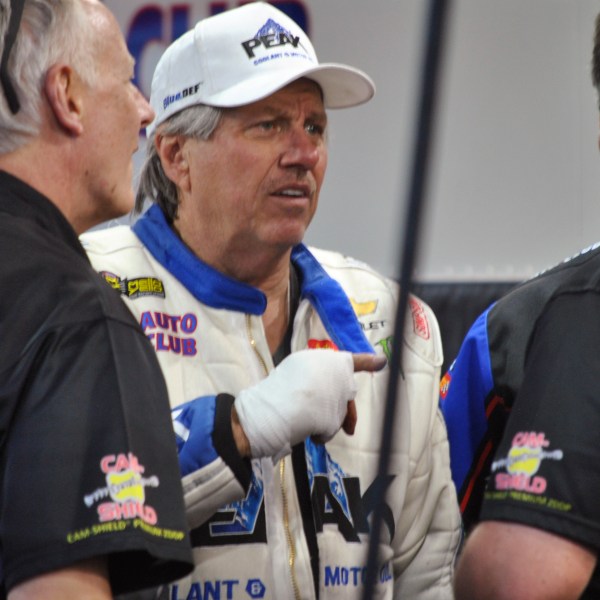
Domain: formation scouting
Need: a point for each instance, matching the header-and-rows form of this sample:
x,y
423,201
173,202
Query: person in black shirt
x,y
522,410
90,496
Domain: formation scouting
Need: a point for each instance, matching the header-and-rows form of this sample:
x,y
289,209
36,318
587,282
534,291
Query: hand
x,y
310,393
362,362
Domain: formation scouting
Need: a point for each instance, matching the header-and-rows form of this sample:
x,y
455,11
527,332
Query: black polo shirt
x,y
523,394
88,463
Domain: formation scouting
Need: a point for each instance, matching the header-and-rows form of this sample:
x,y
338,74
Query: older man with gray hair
x,y
90,495
264,342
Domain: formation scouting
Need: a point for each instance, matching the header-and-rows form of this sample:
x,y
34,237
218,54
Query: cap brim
x,y
342,86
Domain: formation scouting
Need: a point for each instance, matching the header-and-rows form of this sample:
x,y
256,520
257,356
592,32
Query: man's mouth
x,y
293,193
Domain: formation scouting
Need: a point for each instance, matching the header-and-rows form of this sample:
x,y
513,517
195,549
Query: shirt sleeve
x,y
546,472
468,403
90,461
214,473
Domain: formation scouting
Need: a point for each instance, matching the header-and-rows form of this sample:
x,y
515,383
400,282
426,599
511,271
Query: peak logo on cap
x,y
270,35
218,64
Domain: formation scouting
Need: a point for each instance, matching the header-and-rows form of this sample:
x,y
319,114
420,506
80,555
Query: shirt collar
x,y
20,200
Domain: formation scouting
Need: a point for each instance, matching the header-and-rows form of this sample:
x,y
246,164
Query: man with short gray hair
x,y
90,495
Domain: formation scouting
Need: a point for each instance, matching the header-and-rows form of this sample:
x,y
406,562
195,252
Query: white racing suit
x,y
300,528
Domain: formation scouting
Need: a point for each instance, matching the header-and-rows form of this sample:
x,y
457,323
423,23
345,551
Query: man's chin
x,y
291,235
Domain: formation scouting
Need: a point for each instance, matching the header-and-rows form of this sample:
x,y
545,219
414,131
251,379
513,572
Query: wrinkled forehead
x,y
302,98
301,90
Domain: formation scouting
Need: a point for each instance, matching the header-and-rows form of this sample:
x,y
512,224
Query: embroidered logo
x,y
270,35
170,333
527,452
420,322
135,288
188,91
124,492
445,385
322,345
362,309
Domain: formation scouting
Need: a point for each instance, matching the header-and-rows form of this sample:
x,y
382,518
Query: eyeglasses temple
x,y
16,13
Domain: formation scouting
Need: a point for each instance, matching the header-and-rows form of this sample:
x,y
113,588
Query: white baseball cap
x,y
243,55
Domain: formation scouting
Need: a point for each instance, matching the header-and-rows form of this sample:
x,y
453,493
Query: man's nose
x,y
302,149
145,111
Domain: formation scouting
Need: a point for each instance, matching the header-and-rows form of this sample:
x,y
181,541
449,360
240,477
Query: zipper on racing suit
x,y
286,521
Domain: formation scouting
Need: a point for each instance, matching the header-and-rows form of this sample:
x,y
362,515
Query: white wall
x,y
516,175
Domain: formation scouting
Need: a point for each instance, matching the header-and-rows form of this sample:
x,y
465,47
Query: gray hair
x,y
198,122
41,43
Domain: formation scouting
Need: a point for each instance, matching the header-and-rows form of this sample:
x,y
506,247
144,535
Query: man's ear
x,y
173,156
63,89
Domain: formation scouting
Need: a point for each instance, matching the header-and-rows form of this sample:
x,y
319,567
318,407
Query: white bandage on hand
x,y
307,394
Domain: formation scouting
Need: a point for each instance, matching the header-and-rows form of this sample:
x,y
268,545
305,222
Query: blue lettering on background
x,y
149,25
255,588
145,27
353,576
207,590
168,342
345,576
385,574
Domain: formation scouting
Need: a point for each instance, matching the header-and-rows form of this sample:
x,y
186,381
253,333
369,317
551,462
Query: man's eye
x,y
315,129
268,126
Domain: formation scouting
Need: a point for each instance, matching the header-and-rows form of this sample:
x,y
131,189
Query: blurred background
x,y
515,180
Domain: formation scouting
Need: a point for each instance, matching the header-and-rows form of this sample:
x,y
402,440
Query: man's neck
x,y
264,267
277,314
50,177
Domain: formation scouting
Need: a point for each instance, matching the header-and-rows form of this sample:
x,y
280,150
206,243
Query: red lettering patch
x,y
420,322
322,344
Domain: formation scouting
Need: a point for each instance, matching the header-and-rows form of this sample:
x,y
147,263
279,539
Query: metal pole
x,y
434,33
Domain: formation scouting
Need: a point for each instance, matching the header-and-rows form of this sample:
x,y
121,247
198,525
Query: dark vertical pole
x,y
434,34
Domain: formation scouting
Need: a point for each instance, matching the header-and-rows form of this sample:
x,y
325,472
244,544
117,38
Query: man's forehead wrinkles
x,y
285,109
